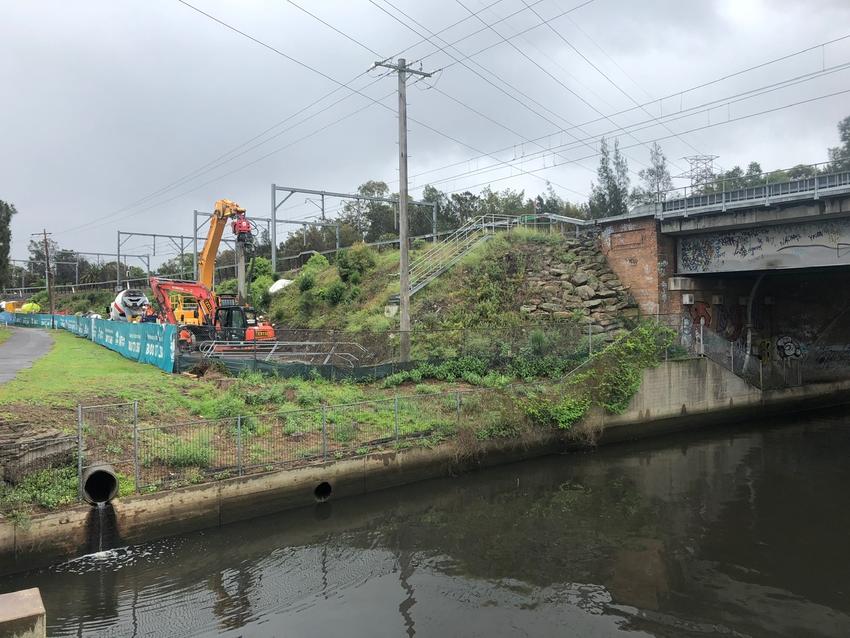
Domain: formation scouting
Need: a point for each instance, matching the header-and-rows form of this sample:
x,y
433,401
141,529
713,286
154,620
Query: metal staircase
x,y
447,252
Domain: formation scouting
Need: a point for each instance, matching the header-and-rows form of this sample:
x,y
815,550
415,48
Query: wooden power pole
x,y
404,249
47,283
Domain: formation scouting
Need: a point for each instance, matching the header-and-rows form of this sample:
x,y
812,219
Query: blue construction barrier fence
x,y
151,343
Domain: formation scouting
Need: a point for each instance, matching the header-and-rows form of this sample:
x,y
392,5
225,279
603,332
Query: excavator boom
x,y
225,210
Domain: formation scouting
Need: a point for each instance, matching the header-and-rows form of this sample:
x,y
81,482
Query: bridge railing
x,y
718,196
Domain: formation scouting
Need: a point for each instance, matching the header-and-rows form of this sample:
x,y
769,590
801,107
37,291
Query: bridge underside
x,y
797,319
810,244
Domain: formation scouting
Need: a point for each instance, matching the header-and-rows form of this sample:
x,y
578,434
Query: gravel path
x,y
21,350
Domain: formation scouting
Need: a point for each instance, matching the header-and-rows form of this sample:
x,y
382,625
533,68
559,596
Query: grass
x,y
76,370
5,333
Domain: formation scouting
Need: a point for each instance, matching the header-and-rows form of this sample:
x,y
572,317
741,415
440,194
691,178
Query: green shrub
x,y
359,259
227,287
316,264
222,406
307,302
418,244
335,293
561,414
260,295
306,282
262,268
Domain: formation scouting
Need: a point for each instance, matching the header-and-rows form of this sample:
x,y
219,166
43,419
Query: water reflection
x,y
720,533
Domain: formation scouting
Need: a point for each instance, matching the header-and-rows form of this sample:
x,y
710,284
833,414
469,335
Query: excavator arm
x,y
225,210
164,288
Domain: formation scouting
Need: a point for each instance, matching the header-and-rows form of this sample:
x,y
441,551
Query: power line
x,y
487,80
647,124
551,75
372,101
597,69
693,130
682,113
217,162
333,28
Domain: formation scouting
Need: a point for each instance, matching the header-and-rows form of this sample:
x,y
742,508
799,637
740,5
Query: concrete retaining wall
x,y
674,396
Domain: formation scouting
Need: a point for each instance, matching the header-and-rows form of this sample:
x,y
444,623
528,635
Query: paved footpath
x,y
21,350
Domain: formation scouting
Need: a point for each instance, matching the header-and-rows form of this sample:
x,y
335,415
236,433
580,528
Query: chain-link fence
x,y
336,354
197,451
106,434
765,362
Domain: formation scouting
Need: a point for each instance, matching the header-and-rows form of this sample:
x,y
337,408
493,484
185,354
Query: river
x,y
733,531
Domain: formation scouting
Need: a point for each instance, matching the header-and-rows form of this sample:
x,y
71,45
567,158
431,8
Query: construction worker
x,y
150,315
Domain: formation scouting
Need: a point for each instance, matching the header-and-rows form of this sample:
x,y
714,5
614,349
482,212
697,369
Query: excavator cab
x,y
235,323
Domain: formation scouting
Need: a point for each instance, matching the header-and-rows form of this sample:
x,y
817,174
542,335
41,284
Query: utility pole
x,y
47,285
404,266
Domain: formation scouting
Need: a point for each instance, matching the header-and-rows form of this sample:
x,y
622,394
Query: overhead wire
x,y
760,90
549,74
561,36
647,124
692,130
220,160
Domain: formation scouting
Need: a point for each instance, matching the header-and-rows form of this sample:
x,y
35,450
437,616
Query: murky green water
x,y
727,532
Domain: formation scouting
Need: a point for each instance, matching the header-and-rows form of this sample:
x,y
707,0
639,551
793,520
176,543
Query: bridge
x,y
759,274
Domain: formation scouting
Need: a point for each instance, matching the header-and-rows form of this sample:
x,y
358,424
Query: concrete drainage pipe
x,y
100,484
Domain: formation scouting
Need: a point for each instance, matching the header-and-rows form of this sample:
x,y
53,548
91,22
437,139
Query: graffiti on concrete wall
x,y
701,314
729,321
822,243
788,348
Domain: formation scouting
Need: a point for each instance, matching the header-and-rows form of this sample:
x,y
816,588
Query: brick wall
x,y
643,260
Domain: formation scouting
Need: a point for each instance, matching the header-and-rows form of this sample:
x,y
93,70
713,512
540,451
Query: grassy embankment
x,y
287,413
528,391
481,290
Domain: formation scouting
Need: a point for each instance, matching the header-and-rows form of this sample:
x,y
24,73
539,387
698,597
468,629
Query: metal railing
x,y
447,252
766,363
765,193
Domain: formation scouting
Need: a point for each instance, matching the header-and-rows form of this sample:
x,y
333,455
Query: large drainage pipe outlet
x,y
100,484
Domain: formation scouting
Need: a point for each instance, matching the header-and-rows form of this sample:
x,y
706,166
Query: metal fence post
x,y
457,406
79,452
395,408
702,337
324,433
732,354
136,470
589,338
239,444
761,373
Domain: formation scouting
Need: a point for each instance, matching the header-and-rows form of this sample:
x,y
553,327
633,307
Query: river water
x,y
740,531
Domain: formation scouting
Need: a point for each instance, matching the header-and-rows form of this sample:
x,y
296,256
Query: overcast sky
x,y
128,115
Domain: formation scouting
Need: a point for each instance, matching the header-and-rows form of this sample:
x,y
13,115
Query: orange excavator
x,y
202,315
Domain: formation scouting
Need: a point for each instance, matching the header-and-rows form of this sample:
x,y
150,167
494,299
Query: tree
x,y
609,196
178,267
463,207
7,211
656,180
839,156
620,190
371,219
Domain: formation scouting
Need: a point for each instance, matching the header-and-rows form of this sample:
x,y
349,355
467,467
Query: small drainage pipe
x,y
100,484
323,491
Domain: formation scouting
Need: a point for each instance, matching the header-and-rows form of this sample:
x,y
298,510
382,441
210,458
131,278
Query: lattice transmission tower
x,y
701,170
